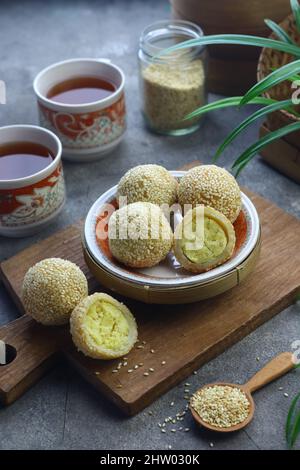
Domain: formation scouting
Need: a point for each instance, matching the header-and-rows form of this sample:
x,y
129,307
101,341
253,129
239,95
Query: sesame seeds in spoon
x,y
226,407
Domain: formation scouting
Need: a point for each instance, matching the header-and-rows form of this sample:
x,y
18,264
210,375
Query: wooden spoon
x,y
271,371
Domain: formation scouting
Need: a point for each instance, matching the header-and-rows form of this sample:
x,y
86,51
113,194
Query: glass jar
x,y
171,85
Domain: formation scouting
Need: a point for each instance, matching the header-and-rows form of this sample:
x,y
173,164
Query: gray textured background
x,y
62,411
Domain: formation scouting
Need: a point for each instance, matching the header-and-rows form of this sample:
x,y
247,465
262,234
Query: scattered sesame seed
x,y
97,373
136,366
169,446
286,394
258,359
172,403
186,429
141,364
152,351
151,369
163,430
187,384
125,364
140,347
144,342
125,358
211,444
114,371
174,421
195,372
150,413
129,371
119,386
280,388
186,390
163,363
146,374
186,397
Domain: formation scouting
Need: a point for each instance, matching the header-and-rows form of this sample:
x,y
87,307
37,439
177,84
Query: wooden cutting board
x,y
183,336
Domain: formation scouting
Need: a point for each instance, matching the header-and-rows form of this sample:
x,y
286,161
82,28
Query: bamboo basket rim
x,y
260,74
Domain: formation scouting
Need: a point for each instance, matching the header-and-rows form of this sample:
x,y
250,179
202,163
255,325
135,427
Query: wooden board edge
x,y
10,290
8,396
131,408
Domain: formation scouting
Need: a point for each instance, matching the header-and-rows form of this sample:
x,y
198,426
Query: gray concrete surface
x,y
62,411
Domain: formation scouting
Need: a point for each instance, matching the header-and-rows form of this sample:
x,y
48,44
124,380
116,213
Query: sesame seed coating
x,y
148,183
97,324
139,235
51,290
212,186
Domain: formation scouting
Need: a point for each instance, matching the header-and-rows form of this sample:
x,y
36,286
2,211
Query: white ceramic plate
x,y
168,272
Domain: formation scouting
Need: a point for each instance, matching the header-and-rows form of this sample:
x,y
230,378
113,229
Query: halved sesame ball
x,y
148,183
51,290
212,186
102,327
139,235
204,239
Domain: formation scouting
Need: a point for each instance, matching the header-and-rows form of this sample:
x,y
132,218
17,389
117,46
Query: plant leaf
x,y
271,80
247,122
292,426
280,32
225,103
296,430
250,152
241,39
296,11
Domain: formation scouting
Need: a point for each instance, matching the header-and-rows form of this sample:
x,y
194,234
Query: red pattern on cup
x,y
29,204
77,126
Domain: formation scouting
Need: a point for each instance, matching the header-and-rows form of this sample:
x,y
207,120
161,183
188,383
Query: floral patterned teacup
x,y
29,204
87,131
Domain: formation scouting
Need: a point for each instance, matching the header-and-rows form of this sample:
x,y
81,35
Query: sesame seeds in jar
x,y
172,85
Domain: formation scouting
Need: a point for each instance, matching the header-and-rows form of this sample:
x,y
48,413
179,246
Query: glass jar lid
x,y
167,33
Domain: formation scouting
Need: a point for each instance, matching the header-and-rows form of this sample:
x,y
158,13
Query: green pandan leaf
x,y
271,80
296,11
250,152
292,426
280,33
250,120
239,39
225,103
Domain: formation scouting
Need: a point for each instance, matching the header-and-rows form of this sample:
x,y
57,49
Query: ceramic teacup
x,y
28,204
87,131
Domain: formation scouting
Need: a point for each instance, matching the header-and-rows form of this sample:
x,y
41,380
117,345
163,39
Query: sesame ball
x,y
102,327
139,235
148,183
51,290
212,186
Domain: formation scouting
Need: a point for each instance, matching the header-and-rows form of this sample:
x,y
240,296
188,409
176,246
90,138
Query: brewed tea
x,y
22,159
81,90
